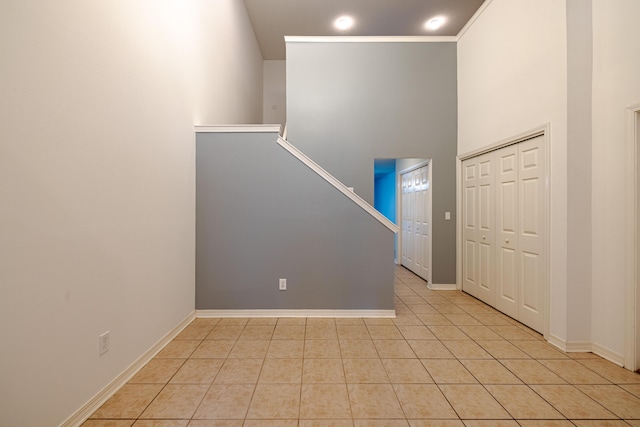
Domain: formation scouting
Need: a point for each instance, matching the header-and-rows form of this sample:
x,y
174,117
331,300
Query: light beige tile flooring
x,y
446,360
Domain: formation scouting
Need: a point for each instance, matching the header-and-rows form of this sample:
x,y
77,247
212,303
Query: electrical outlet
x,y
282,284
103,343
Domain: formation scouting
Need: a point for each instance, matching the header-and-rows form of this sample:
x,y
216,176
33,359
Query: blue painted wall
x,y
384,197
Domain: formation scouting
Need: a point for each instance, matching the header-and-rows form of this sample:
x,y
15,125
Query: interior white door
x,y
422,223
506,226
416,222
407,221
531,260
470,278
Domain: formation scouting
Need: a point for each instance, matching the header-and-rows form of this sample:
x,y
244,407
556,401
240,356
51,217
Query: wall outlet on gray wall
x,y
282,284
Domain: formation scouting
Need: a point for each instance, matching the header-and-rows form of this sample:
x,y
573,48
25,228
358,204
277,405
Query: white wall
x,y
97,110
512,68
616,86
274,99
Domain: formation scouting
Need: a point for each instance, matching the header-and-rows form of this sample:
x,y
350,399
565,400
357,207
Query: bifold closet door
x,y
407,221
416,222
478,232
531,233
520,224
470,227
421,223
503,230
486,229
507,223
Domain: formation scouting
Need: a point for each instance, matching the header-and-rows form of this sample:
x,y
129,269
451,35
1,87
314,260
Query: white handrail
x,y
337,184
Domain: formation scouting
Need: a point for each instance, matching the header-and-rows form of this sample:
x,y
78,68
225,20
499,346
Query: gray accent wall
x,y
349,103
262,215
579,167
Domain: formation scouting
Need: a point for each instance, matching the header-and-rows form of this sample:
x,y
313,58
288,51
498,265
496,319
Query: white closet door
x,y
407,221
531,264
417,208
421,221
504,253
470,268
486,229
416,222
506,231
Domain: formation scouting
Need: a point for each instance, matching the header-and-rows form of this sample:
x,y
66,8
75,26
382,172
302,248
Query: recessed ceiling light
x,y
343,23
435,23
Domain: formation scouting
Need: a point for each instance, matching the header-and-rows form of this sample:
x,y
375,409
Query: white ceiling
x,y
274,19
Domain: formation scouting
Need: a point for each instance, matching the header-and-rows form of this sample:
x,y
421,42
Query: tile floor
x,y
447,360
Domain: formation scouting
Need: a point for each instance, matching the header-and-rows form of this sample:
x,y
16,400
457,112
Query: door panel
x,y
406,226
508,206
509,290
485,284
423,233
529,268
486,229
530,214
470,277
506,224
470,208
470,274
417,221
416,236
531,233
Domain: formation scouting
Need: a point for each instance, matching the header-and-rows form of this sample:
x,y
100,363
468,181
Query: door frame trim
x,y
429,163
632,200
544,131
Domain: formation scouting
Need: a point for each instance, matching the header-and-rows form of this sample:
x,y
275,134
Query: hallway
x,y
446,360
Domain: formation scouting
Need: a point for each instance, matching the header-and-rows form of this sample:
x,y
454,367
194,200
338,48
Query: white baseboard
x,y
296,313
585,347
579,346
442,287
610,355
92,405
569,346
557,342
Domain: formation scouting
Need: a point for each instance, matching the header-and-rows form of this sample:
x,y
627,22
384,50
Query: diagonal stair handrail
x,y
336,183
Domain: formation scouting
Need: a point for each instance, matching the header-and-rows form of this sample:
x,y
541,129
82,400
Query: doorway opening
x,y
402,192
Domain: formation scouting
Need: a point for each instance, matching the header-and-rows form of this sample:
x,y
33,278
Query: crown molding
x,y
236,128
370,39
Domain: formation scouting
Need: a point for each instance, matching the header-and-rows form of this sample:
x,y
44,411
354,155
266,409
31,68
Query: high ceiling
x,y
274,19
